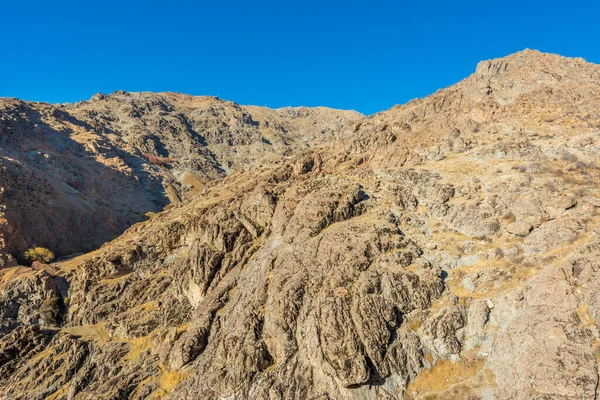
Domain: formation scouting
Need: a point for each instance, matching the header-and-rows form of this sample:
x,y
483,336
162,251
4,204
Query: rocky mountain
x,y
443,249
74,176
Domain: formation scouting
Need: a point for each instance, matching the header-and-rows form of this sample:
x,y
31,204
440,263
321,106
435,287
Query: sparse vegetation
x,y
583,166
40,254
550,186
566,156
498,252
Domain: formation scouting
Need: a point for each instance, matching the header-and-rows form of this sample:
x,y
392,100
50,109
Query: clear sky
x,y
363,55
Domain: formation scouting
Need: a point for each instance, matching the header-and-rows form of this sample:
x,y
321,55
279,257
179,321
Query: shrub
x,y
509,217
40,254
550,186
566,156
498,252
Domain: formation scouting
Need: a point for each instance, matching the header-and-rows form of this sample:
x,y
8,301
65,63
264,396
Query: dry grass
x,y
167,381
58,394
584,315
73,263
170,379
15,273
137,347
443,377
511,275
96,332
192,181
182,329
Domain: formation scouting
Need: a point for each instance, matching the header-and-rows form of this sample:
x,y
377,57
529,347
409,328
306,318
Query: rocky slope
x,y
444,249
74,176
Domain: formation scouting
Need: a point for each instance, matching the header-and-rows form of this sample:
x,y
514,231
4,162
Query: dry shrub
x,y
498,252
566,156
509,217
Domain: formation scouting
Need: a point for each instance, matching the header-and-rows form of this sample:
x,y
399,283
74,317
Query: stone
x,y
520,228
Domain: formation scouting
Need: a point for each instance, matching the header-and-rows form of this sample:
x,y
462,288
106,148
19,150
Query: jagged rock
x,y
439,333
551,235
32,298
562,365
558,205
595,201
520,228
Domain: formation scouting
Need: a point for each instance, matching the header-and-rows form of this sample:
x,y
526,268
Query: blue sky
x,y
351,54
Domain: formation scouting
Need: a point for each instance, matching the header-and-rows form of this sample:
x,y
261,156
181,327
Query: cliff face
x,y
75,176
445,249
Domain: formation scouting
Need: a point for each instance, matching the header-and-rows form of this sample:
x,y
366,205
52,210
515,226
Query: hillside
x,y
74,176
443,249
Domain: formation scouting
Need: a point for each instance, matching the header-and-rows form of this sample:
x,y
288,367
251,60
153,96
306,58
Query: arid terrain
x,y
447,248
74,176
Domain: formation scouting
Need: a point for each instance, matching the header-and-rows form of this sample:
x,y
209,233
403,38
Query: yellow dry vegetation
x,y
514,276
182,329
166,382
193,181
586,318
15,273
40,254
414,323
148,306
456,168
40,356
58,394
447,239
96,332
443,377
137,347
73,263
170,379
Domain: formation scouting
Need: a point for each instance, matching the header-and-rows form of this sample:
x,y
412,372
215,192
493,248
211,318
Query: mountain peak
x,y
526,61
510,77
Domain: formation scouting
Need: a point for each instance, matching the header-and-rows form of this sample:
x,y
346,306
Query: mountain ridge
x,y
446,248
145,143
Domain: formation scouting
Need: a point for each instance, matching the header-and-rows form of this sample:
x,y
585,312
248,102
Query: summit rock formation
x,y
443,249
